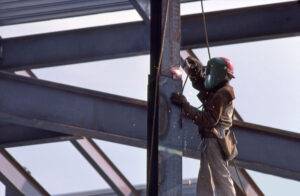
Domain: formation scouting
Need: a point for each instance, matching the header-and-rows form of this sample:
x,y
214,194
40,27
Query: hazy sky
x,y
266,84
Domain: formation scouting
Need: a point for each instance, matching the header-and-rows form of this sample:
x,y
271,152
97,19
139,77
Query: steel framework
x,y
77,115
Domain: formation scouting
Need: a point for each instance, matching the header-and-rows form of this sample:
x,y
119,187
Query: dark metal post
x,y
165,139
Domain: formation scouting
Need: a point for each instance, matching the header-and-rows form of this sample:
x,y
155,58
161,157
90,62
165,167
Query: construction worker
x,y
214,120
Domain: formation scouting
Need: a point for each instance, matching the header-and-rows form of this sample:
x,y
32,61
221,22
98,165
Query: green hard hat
x,y
219,70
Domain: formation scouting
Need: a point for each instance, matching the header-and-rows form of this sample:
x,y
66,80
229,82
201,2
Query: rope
x,y
205,30
208,51
206,40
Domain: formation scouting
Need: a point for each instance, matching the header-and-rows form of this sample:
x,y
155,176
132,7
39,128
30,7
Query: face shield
x,y
216,73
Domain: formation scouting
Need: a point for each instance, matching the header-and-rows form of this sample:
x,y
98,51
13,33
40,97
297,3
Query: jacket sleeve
x,y
211,114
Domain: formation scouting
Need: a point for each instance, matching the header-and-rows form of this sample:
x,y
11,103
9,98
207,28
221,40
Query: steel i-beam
x,y
16,176
16,135
81,112
97,158
82,45
165,141
16,12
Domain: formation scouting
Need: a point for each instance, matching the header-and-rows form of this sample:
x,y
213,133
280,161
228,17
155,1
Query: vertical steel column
x,y
165,138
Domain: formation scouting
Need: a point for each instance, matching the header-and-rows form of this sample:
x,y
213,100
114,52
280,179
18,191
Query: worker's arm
x,y
195,73
210,116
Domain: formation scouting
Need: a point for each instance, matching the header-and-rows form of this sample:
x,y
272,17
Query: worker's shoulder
x,y
227,92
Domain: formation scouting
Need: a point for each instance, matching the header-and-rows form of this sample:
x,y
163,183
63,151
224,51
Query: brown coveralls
x,y
214,178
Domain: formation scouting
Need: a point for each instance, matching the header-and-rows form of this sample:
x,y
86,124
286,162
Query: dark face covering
x,y
216,73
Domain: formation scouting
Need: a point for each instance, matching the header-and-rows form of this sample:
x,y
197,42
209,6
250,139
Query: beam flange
x,y
91,44
13,135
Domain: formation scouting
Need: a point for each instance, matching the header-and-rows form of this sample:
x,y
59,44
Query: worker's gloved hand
x,y
178,99
191,61
195,66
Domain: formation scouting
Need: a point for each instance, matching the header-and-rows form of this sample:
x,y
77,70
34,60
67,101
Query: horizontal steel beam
x,y
70,110
16,135
17,178
15,12
107,42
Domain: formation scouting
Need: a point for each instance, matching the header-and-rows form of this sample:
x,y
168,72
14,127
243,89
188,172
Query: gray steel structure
x,y
165,137
32,120
90,44
31,111
16,12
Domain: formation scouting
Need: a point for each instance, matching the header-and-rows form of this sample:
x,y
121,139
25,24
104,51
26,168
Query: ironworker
x,y
214,121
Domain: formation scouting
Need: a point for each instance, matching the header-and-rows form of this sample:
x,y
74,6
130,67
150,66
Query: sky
x,y
266,88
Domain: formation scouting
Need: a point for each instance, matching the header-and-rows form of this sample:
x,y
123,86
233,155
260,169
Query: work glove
x,y
178,99
195,66
191,60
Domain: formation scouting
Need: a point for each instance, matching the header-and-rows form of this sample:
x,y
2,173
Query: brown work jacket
x,y
217,109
